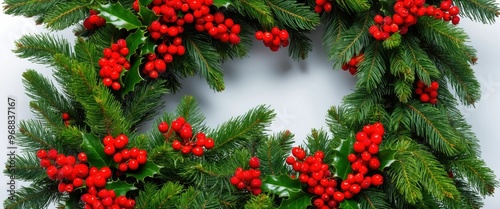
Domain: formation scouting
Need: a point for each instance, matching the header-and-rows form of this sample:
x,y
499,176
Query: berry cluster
x,y
113,62
352,65
127,159
106,199
248,179
317,176
275,39
406,14
323,5
157,62
173,16
427,93
65,117
68,170
93,21
188,143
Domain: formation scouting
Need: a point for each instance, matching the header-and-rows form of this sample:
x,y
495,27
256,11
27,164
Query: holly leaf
x,y
145,2
120,187
132,77
340,162
386,158
222,3
289,189
349,204
148,47
94,149
146,14
120,17
147,170
134,40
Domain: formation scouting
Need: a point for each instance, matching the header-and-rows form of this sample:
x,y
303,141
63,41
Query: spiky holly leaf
x,y
132,77
287,188
386,158
387,7
222,3
145,13
94,149
120,187
120,17
349,204
340,162
134,40
147,170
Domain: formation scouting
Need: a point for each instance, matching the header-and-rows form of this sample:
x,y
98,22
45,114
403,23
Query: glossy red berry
x,y
254,162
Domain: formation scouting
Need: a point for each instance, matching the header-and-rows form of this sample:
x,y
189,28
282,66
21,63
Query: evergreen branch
x,y
352,42
26,167
255,9
372,68
41,48
66,14
300,45
418,60
212,176
398,118
37,195
273,151
36,136
479,10
403,90
153,197
361,105
237,131
469,198
318,140
48,115
144,102
429,123
86,51
354,5
109,111
374,199
206,58
293,14
479,177
336,23
188,108
193,198
260,202
29,8
43,90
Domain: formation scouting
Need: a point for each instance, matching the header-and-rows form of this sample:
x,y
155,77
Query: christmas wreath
x,y
398,141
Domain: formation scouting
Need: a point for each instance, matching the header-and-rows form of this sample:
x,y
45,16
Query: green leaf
x,y
146,14
132,77
147,170
120,187
294,15
386,158
349,204
222,3
340,162
95,151
284,186
117,15
134,40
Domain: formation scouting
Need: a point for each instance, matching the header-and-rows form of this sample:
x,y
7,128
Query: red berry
x,y
198,151
120,141
41,154
377,180
424,98
254,162
338,196
133,164
176,145
109,150
290,160
359,147
374,164
163,127
186,149
209,144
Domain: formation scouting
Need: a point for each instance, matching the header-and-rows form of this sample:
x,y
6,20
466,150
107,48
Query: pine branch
x,y
374,199
469,198
418,60
338,123
354,5
336,23
273,151
43,90
66,14
239,131
107,112
318,140
36,136
192,198
372,69
27,168
86,51
153,197
206,58
478,176
188,108
209,175
41,48
50,117
260,202
398,119
29,8
144,102
403,90
300,45
37,195
362,106
352,41
294,15
255,9
431,124
479,10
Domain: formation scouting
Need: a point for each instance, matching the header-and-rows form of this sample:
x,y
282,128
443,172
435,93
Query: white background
x,y
299,92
